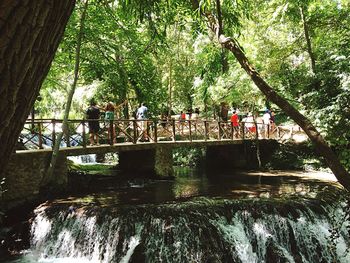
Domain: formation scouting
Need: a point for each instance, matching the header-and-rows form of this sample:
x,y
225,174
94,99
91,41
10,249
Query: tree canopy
x,y
162,53
166,53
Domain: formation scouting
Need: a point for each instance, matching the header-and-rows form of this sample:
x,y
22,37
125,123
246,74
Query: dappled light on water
x,y
191,183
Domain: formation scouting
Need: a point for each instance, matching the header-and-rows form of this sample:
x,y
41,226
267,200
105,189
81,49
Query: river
x,y
281,216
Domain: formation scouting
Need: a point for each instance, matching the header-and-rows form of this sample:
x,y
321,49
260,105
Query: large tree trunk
x,y
30,32
320,144
55,153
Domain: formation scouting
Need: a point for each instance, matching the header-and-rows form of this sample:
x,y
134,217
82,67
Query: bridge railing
x,y
42,133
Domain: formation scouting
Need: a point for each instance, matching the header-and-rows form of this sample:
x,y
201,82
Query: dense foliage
x,y
320,91
188,156
161,52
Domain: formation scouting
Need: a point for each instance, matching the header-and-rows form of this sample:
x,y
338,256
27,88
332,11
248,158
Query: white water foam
x,y
248,236
133,243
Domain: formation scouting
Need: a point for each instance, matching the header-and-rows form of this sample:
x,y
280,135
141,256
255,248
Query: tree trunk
x,y
125,83
30,32
320,144
48,177
308,40
170,88
224,59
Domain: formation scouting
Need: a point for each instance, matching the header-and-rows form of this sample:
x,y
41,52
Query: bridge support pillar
x,y
137,163
164,161
226,157
239,156
158,161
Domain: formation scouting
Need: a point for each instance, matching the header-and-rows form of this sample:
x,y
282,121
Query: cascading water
x,y
200,230
83,159
245,218
110,158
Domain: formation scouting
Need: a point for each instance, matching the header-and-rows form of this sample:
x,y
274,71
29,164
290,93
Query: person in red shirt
x,y
182,121
182,116
235,124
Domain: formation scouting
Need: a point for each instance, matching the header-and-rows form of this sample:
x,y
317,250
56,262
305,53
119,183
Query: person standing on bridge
x,y
235,123
272,122
141,114
182,121
266,122
109,118
93,116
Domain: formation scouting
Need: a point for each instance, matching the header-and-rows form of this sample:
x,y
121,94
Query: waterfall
x,y
109,158
83,159
199,230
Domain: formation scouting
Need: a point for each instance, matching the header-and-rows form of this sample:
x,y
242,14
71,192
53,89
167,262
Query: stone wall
x,y
164,161
239,156
158,161
137,163
24,174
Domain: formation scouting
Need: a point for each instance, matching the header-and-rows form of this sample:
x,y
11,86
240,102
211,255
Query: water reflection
x,y
191,183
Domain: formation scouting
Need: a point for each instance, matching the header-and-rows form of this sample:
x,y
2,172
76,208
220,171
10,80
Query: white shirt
x,y
266,118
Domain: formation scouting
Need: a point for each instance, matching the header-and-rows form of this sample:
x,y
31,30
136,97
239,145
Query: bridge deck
x,y
128,146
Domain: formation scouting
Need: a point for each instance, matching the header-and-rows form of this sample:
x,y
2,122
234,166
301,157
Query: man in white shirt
x,y
266,120
141,114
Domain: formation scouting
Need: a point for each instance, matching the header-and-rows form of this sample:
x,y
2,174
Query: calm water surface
x,y
191,183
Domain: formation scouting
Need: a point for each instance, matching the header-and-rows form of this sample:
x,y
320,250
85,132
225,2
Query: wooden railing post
x,y
155,123
32,128
148,129
116,129
232,131
268,131
205,130
40,135
174,130
135,131
111,132
219,130
243,130
53,135
279,133
84,134
67,134
190,128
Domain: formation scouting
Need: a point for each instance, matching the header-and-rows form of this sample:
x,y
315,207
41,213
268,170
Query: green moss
x,y
90,168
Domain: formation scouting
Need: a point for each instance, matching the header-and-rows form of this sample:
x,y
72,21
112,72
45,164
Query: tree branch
x,y
320,144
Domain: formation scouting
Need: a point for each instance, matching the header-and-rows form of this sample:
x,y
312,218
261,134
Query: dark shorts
x,y
235,127
94,126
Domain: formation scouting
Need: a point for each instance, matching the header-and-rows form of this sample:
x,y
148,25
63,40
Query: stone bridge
x,y
26,170
226,147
